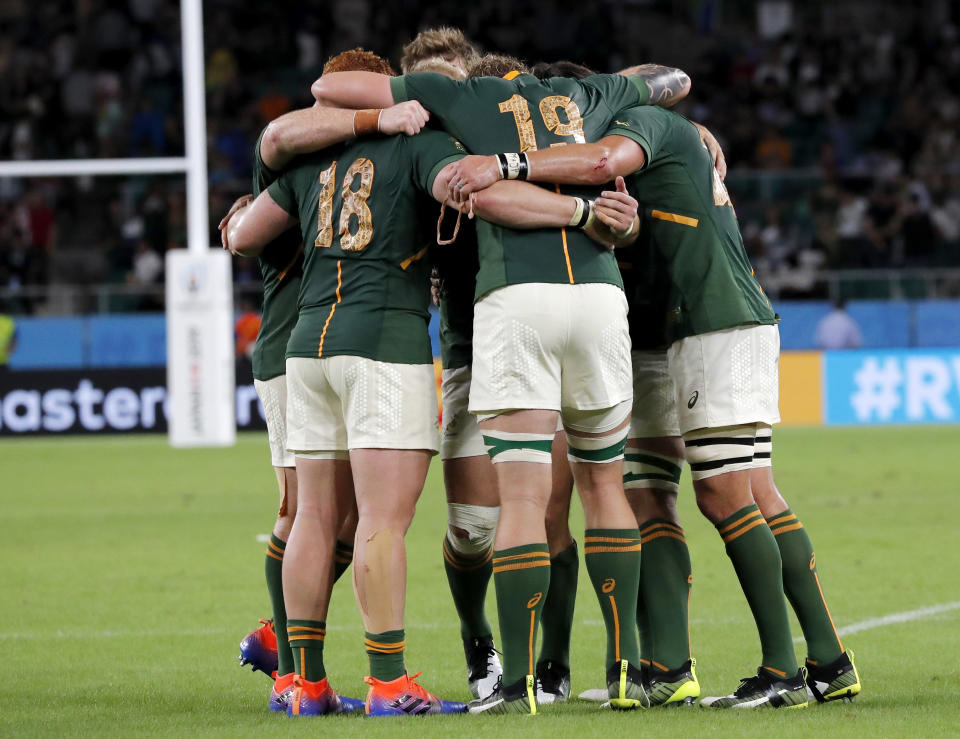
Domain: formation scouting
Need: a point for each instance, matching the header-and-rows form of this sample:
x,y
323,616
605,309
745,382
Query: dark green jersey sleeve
x,y
431,151
432,90
283,194
262,174
618,91
643,125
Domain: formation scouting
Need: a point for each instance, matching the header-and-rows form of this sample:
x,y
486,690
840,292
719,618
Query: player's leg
x,y
473,508
316,433
596,441
721,395
831,673
390,461
651,479
556,619
516,343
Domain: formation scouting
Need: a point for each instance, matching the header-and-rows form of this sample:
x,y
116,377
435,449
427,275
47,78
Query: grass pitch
x,y
130,571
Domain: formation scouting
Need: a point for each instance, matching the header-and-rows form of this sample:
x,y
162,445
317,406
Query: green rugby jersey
x,y
690,222
281,267
457,264
365,220
491,115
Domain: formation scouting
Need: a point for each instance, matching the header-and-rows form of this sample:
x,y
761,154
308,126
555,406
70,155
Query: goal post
x,y
201,396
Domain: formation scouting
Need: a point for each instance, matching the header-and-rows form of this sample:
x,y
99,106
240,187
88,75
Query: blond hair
x,y
444,42
437,65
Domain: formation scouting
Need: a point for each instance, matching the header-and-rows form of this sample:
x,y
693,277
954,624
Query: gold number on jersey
x,y
355,204
574,125
521,116
325,206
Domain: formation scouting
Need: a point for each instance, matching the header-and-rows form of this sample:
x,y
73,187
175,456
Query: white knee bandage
x,y
763,446
508,446
718,451
597,449
646,470
479,523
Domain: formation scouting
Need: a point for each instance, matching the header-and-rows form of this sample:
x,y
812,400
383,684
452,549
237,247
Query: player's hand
x,y
616,209
240,203
472,174
713,146
407,118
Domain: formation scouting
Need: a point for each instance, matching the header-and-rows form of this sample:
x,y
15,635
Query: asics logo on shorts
x,y
693,399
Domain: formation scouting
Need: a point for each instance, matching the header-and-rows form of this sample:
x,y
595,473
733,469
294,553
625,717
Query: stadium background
x,y
129,570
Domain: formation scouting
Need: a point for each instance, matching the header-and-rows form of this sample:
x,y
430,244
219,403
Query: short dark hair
x,y
496,65
563,68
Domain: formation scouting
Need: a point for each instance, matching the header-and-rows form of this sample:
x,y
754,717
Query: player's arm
x,y
667,85
353,90
255,225
574,164
312,129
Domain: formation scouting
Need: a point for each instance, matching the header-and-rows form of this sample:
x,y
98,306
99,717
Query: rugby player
x,y
281,265
526,371
723,361
359,381
469,478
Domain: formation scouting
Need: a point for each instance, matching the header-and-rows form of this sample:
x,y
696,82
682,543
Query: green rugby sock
x,y
643,626
756,559
665,577
522,577
557,616
613,561
468,577
385,651
274,572
306,643
342,557
802,586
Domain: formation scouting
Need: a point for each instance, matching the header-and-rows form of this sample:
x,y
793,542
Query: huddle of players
x,y
552,337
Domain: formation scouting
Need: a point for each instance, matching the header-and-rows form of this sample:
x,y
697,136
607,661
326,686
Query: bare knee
x,y
648,504
720,496
765,492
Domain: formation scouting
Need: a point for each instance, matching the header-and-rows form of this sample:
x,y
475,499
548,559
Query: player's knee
x,y
471,528
511,446
647,503
597,437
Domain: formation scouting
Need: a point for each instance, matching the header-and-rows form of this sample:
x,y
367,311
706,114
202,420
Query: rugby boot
x,y
259,648
405,697
625,687
519,698
838,680
317,698
553,683
763,690
280,692
483,666
678,687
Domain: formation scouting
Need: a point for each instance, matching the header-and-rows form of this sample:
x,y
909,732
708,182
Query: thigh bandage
x,y
597,449
763,446
509,446
646,470
717,451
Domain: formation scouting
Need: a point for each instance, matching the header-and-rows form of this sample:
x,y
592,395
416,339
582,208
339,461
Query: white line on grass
x,y
895,618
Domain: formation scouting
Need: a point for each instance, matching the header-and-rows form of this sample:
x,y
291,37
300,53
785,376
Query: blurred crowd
x,y
840,126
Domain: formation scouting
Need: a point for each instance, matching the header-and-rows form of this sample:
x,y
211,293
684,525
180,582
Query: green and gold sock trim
x,y
467,563
657,528
593,544
522,561
784,522
374,644
276,547
297,634
740,523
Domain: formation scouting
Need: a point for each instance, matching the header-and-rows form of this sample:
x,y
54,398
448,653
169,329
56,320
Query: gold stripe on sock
x,y
742,519
275,548
275,556
607,540
741,532
533,625
659,666
312,629
616,626
384,648
519,566
528,555
775,671
785,529
661,524
305,637
780,518
601,550
658,534
827,609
